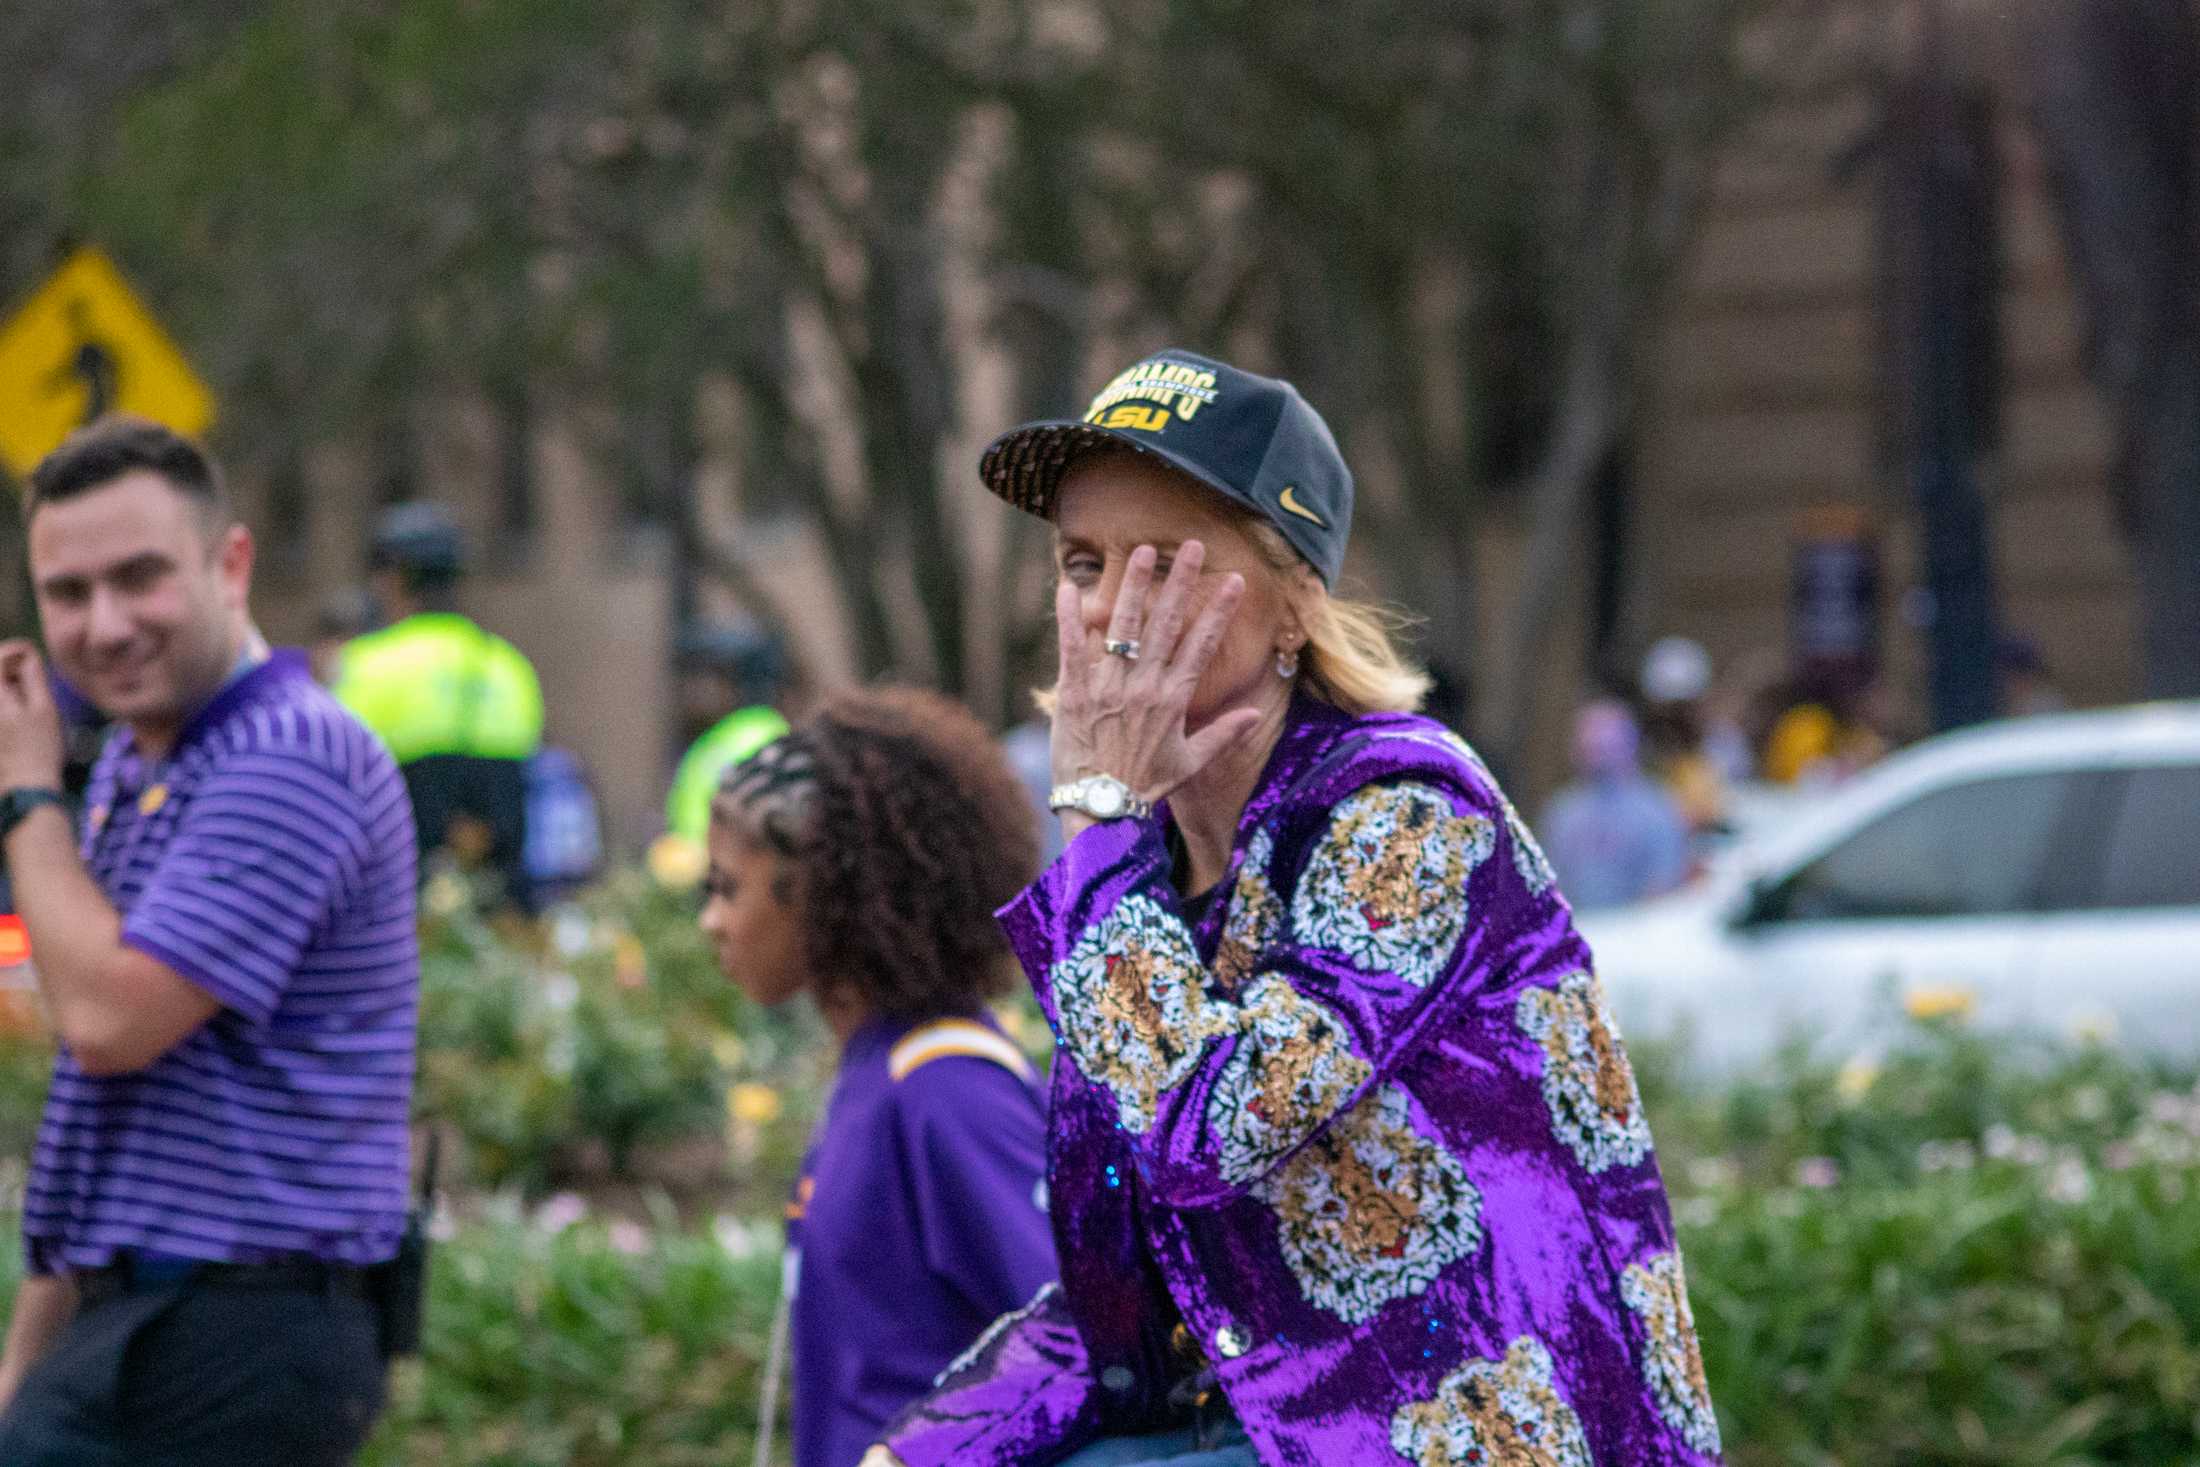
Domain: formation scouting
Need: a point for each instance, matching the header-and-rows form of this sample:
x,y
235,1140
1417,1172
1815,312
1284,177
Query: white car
x,y
2043,873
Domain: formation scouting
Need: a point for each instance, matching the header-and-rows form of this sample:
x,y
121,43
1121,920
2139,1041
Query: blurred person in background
x,y
1346,1160
859,860
2027,685
731,679
229,959
1614,835
459,708
1692,753
563,843
1835,726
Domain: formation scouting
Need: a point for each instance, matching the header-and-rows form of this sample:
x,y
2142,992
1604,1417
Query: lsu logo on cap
x,y
1135,415
1151,395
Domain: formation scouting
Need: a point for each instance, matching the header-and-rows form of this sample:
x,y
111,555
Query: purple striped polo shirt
x,y
269,860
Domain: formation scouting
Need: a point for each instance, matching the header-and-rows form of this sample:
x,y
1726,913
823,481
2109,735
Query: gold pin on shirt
x,y
155,796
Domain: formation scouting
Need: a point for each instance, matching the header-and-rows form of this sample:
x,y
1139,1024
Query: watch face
x,y
1106,799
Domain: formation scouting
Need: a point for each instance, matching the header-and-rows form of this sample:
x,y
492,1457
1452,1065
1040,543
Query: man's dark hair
x,y
119,444
903,830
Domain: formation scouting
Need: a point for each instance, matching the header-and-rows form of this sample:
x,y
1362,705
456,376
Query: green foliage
x,y
1973,1249
579,1349
569,1056
1988,1316
26,1064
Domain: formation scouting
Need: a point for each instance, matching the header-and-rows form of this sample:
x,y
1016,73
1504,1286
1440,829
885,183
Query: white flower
x,y
628,1237
561,992
2070,1183
1946,1156
560,1212
570,932
1713,1173
1818,1171
2168,1108
2088,1103
741,1238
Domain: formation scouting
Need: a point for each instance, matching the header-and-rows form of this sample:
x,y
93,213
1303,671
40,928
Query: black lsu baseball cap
x,y
1252,439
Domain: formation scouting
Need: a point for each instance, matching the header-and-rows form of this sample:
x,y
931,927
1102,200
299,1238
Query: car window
x,y
2153,852
1964,851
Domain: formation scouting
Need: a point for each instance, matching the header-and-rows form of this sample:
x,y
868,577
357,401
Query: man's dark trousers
x,y
196,1374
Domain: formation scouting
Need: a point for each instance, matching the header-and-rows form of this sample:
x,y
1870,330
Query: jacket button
x,y
1118,1378
1231,1342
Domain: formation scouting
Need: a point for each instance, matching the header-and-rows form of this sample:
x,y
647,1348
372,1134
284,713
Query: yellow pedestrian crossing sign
x,y
84,345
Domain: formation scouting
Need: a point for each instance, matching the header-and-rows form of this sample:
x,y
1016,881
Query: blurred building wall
x,y
1762,406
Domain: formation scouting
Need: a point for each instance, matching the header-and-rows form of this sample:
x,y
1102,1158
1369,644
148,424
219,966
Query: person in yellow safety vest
x,y
459,708
729,678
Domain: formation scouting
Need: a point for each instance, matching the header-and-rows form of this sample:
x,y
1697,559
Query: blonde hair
x,y
1351,659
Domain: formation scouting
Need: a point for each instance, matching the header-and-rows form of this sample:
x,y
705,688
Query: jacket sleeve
x,y
1022,1394
1412,895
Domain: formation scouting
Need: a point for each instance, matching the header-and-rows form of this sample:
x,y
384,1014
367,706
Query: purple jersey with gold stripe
x,y
920,1218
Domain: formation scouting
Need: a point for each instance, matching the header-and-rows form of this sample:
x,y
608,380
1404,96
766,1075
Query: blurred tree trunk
x,y
1939,263
2115,93
1643,197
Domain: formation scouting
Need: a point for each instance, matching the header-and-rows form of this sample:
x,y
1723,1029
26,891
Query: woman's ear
x,y
1307,593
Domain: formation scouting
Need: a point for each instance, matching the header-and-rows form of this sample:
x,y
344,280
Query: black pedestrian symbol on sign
x,y
94,365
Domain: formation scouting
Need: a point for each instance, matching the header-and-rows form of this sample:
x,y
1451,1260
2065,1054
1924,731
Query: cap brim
x,y
1025,465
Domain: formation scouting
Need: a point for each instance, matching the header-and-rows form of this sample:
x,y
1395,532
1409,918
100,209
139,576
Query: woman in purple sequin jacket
x,y
1347,1163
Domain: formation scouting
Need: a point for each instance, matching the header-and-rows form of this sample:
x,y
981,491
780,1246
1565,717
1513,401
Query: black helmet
x,y
420,541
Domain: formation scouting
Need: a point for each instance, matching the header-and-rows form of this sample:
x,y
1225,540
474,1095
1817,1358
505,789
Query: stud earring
x,y
1287,664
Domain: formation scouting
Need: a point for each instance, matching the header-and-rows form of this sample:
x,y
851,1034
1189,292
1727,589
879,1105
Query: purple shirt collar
x,y
282,665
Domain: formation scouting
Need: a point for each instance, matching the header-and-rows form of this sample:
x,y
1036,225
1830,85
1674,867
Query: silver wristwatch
x,y
1102,796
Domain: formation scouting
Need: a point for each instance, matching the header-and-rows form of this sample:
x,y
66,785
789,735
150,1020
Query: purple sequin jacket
x,y
1367,1124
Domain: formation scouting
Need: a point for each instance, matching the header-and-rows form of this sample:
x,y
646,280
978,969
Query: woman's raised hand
x,y
1122,712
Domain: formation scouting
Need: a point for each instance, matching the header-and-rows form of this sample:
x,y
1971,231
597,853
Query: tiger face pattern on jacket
x,y
1373,1210
1275,1090
1138,1016
1587,1082
1383,889
1494,1413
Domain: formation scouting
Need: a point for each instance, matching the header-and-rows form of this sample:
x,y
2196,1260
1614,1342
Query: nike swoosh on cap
x,y
1289,499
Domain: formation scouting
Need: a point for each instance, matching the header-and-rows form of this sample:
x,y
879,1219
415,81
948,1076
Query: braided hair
x,y
900,829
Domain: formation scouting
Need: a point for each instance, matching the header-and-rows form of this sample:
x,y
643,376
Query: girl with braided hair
x,y
859,860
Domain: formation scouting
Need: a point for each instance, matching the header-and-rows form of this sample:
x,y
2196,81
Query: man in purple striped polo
x,y
228,955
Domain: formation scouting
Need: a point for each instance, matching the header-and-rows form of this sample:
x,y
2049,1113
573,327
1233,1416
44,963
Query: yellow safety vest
x,y
438,684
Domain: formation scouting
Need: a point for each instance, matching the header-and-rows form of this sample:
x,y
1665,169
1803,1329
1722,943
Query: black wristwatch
x,y
17,803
